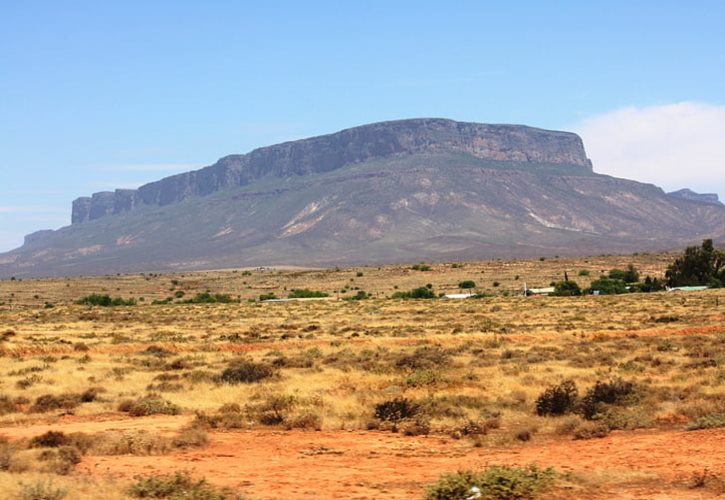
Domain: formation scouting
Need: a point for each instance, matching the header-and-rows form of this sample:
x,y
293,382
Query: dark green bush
x,y
304,293
703,265
422,292
467,284
617,391
396,410
247,372
104,301
608,286
558,399
566,289
208,298
494,482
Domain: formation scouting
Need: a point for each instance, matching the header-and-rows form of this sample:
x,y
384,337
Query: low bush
x,y
422,292
617,391
558,400
591,430
208,298
104,301
247,372
396,410
711,421
151,404
51,439
177,487
304,293
494,482
566,288
41,489
467,284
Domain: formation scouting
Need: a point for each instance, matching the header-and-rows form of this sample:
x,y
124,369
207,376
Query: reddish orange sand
x,y
268,464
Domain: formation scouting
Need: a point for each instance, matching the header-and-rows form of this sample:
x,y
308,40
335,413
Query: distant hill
x,y
409,190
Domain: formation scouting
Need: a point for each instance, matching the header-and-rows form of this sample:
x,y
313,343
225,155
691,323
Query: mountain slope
x,y
394,191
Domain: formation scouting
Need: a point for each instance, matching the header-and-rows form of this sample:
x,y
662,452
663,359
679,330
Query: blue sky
x,y
100,95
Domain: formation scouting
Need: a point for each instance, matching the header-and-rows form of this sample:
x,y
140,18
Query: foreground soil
x,y
266,464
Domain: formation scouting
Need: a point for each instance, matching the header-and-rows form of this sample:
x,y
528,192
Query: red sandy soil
x,y
266,464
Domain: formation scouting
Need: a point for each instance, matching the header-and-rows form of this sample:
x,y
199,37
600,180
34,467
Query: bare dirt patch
x,y
340,464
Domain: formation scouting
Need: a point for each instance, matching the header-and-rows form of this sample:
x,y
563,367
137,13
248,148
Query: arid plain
x,y
372,398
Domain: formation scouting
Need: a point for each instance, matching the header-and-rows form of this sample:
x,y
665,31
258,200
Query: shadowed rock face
x,y
403,191
334,151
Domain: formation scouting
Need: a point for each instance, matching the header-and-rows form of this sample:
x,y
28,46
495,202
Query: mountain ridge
x,y
332,151
404,191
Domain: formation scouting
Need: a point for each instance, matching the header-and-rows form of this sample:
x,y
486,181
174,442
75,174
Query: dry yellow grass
x,y
481,360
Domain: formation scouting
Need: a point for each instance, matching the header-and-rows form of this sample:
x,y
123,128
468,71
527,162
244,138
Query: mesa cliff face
x,y
330,152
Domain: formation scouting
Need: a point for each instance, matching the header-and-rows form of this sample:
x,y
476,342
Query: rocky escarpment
x,y
687,194
330,152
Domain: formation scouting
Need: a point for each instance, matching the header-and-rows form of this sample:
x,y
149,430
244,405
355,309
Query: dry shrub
x,y
305,420
193,436
245,371
151,404
590,430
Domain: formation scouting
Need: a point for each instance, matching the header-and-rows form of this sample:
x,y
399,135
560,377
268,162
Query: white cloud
x,y
673,146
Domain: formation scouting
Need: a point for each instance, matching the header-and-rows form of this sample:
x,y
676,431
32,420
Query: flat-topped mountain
x,y
396,191
331,152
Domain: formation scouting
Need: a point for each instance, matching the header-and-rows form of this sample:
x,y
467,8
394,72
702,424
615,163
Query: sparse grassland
x,y
424,386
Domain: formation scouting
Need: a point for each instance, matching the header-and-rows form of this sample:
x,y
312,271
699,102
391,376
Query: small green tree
x,y
631,275
566,288
467,284
704,265
608,286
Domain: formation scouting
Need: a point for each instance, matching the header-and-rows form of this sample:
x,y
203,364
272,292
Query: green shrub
x,y
267,296
420,267
305,293
360,295
608,286
422,292
494,482
712,421
246,372
467,284
584,272
208,298
616,391
179,486
558,399
566,289
104,301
